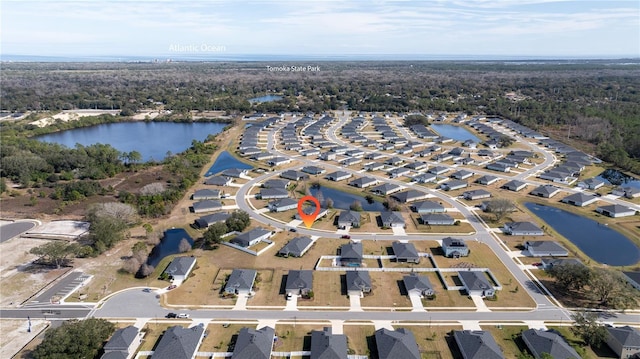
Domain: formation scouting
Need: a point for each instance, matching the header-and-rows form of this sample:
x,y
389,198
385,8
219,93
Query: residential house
x,y
442,157
180,267
454,247
550,342
393,161
218,181
278,161
427,207
476,283
477,344
591,183
349,219
206,221
281,205
254,344
624,341
626,191
358,283
616,210
252,237
351,254
418,285
123,343
339,176
374,156
453,185
273,193
350,161
438,170
545,191
310,152
178,342
476,194
514,185
409,196
392,219
425,178
363,182
296,247
633,278
487,180
326,345
579,199
457,151
240,281
206,194
523,229
313,170
294,175
416,166
405,252
499,166
234,172
299,282
394,344
398,172
206,206
374,166
386,189
262,156
545,249
328,156
461,175
437,219
556,176
276,183
550,262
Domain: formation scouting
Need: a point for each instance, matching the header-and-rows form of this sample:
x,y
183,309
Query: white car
x,y
183,315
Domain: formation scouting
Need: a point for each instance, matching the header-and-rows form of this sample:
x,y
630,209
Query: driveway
x,y
292,303
354,302
398,231
416,303
241,302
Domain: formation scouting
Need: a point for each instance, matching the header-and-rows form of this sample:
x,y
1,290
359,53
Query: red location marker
x,y
308,219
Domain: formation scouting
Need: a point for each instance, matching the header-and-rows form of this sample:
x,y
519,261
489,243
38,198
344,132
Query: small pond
x,y
225,161
266,98
152,139
456,133
596,240
168,245
342,200
617,178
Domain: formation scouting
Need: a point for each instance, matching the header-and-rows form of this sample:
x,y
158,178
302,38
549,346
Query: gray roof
x,y
241,279
550,342
233,172
477,344
486,178
455,183
545,189
579,197
254,344
408,196
554,262
296,246
474,280
117,354
270,192
476,192
358,280
275,183
206,193
414,281
396,344
362,181
616,208
299,279
180,266
325,345
523,226
209,219
391,217
349,216
436,217
351,250
246,237
338,174
179,342
122,339
546,246
426,206
217,180
385,187
627,336
404,250
514,184
453,242
283,202
206,205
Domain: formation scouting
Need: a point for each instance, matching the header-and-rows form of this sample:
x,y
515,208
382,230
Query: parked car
x,y
183,315
173,286
292,229
172,315
346,236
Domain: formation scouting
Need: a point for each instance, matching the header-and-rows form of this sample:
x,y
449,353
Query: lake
x,y
617,178
152,139
266,98
225,161
456,133
168,245
596,240
342,200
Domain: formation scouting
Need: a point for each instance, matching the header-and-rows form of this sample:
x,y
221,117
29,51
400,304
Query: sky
x,y
430,28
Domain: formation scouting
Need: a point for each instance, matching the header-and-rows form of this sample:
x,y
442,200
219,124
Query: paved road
x,y
49,312
11,230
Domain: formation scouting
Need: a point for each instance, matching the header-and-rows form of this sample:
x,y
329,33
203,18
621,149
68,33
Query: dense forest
x,y
595,103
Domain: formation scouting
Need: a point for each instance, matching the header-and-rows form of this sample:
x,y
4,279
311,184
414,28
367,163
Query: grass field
x,y
294,337
219,338
359,337
432,340
385,291
508,338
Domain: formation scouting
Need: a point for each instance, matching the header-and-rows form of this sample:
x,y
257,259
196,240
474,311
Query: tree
x,y
213,234
500,207
184,245
356,206
505,141
55,253
238,221
571,276
145,270
131,265
328,203
108,223
74,339
588,329
611,289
